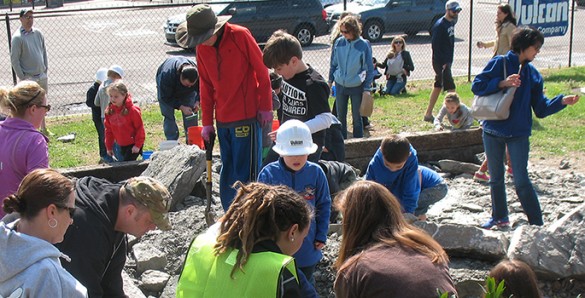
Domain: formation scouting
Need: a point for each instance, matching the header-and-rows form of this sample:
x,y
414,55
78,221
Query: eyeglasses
x,y
344,31
71,210
29,17
48,107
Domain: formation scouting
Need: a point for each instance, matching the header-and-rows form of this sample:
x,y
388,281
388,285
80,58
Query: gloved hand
x,y
264,117
206,131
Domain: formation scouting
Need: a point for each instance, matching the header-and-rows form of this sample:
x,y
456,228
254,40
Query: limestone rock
x,y
148,257
178,169
153,280
171,287
130,289
556,251
457,167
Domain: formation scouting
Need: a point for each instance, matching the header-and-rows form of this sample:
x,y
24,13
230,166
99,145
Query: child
x,y
395,166
123,123
276,84
432,189
102,100
305,92
294,144
457,113
96,112
519,279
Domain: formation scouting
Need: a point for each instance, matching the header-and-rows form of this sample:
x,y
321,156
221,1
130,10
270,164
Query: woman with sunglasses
x,y
398,65
30,265
22,147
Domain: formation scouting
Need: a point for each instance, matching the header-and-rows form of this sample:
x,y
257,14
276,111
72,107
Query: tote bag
x,y
495,106
367,105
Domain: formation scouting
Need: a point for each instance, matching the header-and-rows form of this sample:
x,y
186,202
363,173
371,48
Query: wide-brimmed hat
x,y
200,25
152,194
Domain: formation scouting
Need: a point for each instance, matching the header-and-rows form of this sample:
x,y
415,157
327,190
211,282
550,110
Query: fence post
x,y
9,34
571,34
470,41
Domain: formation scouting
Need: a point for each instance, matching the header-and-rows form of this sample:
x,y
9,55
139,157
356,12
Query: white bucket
x,y
166,145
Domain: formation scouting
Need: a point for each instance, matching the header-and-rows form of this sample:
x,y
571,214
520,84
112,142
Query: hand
x,y
272,135
186,110
264,117
480,44
319,245
570,99
135,149
196,107
110,152
510,81
207,131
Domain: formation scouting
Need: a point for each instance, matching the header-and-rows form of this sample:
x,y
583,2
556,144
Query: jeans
x,y
170,127
393,87
429,196
342,100
96,116
518,147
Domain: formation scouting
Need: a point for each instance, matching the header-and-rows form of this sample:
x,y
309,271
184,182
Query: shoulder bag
x,y
495,106
367,105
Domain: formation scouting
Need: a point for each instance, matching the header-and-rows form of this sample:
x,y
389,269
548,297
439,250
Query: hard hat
x,y
293,138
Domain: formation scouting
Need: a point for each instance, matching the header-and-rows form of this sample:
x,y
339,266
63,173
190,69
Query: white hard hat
x,y
102,74
117,69
293,137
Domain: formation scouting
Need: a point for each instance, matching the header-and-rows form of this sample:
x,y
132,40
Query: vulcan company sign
x,y
551,17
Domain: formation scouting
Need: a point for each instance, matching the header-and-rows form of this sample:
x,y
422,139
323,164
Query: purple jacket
x,y
22,149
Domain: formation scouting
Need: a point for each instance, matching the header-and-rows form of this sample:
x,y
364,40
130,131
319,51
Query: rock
x,y
153,281
67,138
564,164
170,288
130,289
460,240
556,251
148,257
178,169
457,167
470,288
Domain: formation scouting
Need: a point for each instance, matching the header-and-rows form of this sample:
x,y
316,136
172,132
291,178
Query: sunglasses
x,y
28,17
456,10
48,107
344,31
398,42
71,210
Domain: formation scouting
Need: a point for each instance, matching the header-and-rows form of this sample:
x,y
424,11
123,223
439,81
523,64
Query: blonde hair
x,y
17,99
121,88
392,52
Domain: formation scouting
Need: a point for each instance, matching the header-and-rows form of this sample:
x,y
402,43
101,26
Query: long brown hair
x,y
372,216
259,212
507,9
518,277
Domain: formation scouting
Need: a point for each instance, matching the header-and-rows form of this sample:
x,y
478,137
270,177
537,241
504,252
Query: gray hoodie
x,y
30,267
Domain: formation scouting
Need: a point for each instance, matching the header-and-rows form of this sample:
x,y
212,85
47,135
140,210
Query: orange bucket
x,y
275,124
194,136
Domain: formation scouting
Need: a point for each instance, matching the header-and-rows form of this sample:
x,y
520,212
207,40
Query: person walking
x,y
505,25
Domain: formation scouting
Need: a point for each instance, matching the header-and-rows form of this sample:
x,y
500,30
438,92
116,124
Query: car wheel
x,y
305,34
373,31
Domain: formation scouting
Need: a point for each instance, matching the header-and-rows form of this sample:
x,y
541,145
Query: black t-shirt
x,y
303,97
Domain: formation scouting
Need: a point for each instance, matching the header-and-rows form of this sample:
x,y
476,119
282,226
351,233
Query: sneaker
x,y
481,176
509,172
428,118
369,126
501,223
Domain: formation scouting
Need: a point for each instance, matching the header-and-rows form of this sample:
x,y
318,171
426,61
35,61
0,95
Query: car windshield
x,y
371,2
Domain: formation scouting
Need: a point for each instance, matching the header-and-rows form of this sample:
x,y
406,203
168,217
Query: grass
x,y
559,135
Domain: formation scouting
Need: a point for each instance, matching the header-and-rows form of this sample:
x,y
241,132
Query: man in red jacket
x,y
235,84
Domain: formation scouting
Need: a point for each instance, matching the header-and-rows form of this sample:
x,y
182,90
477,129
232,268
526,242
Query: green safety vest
x,y
208,275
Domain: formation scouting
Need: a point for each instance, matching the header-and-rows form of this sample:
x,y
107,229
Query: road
x,y
80,42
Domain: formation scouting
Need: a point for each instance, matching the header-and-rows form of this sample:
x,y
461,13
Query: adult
x,y
515,131
97,242
177,88
249,253
29,263
383,256
235,85
352,71
22,147
443,45
398,65
505,25
28,54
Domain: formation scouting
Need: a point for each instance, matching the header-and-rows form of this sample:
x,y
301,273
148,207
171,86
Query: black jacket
x,y
408,64
97,251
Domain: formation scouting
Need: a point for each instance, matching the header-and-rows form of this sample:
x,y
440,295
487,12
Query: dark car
x,y
391,16
304,19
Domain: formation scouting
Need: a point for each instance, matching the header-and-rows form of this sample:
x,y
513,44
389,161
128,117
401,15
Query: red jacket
x,y
124,129
233,78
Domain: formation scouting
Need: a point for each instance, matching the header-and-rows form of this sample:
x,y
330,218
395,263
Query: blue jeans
x,y
341,101
394,87
429,196
518,147
241,155
170,124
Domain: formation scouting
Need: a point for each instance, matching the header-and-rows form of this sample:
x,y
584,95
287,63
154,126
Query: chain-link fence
x,y
84,36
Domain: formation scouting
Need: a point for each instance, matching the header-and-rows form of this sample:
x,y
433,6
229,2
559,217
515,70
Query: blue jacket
x,y
443,41
404,183
311,183
429,178
169,87
348,60
528,96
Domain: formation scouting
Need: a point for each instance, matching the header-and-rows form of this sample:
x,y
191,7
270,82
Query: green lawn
x,y
559,135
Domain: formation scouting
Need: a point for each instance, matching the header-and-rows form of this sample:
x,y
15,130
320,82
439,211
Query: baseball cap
x,y
117,69
293,137
25,10
102,74
152,194
453,5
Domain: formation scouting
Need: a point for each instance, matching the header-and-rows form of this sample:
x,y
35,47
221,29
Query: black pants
x,y
127,153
